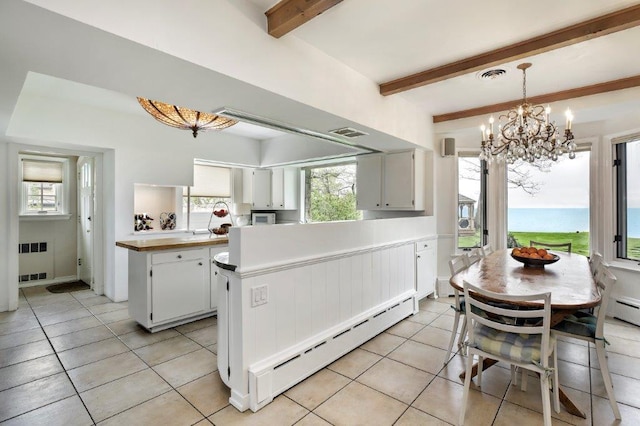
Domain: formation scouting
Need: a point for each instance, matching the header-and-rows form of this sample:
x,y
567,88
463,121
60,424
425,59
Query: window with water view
x,y
549,202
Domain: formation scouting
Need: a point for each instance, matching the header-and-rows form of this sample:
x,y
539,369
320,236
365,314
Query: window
x,y
548,201
43,185
330,193
471,204
212,184
627,171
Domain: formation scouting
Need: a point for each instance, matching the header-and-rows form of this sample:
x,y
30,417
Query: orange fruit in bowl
x,y
524,254
542,252
533,250
548,256
516,252
534,256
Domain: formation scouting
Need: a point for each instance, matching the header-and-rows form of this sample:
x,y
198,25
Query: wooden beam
x,y
288,15
595,89
597,27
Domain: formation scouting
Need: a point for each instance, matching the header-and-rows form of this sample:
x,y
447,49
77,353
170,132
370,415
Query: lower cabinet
x,y
426,261
172,287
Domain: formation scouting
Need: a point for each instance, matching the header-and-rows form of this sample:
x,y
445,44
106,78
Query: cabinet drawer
x,y
425,244
178,255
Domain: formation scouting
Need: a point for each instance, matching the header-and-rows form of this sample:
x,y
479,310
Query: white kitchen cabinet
x,y
261,182
393,181
425,268
271,189
172,287
284,188
369,182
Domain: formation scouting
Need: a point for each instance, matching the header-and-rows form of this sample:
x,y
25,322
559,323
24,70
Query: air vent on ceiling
x,y
491,74
348,132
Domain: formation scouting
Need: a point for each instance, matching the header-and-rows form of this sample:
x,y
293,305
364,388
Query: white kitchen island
x,y
293,298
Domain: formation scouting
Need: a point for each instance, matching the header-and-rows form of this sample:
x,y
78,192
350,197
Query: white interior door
x,y
85,215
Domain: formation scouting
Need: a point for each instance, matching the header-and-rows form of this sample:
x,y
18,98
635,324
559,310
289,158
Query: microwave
x,y
263,218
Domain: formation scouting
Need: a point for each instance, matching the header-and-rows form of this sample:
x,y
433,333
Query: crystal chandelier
x,y
185,118
527,134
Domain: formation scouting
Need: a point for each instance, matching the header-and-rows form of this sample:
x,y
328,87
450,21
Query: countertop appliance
x,y
263,218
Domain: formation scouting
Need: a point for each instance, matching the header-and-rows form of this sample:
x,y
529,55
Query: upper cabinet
x,y
393,181
271,189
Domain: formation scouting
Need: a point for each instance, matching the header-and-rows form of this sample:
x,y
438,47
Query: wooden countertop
x,y
172,243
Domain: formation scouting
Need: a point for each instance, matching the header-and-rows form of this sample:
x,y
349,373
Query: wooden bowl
x,y
536,263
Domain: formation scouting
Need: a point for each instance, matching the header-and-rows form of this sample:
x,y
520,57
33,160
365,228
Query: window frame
x,y
61,189
305,187
620,239
484,176
186,194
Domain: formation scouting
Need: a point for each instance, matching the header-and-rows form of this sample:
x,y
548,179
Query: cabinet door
x,y
398,180
425,269
369,181
179,289
277,188
262,189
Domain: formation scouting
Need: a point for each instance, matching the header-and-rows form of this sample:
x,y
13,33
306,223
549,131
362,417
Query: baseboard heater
x,y
627,309
271,377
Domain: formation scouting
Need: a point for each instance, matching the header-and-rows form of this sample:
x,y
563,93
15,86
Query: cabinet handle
x,y
418,256
387,204
200,263
377,204
179,256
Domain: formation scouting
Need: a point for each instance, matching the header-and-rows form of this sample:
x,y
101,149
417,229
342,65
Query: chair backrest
x,y
595,261
507,317
486,250
475,255
540,244
459,263
605,281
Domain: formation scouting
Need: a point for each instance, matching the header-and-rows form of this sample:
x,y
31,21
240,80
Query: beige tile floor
x,y
77,359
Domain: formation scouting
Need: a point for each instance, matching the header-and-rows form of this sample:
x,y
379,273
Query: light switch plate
x,y
259,295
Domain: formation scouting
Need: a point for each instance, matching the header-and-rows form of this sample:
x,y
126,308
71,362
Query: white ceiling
x,y
385,40
380,39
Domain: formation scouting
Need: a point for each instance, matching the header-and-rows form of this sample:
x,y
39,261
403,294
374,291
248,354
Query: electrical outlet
x,y
259,295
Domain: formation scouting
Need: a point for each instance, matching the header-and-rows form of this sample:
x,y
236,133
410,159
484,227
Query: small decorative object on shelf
x,y
168,220
220,210
142,222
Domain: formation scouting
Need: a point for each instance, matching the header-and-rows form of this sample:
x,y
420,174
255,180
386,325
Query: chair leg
x,y
462,337
556,382
465,392
546,402
456,320
514,375
606,378
523,380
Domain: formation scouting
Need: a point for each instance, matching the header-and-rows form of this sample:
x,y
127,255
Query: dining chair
x,y
595,262
475,255
486,250
520,337
540,244
456,265
590,328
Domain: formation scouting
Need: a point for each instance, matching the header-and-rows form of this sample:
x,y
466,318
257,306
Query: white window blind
x,y
211,181
42,171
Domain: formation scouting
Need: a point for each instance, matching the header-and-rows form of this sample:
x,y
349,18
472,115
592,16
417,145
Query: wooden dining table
x,y
569,281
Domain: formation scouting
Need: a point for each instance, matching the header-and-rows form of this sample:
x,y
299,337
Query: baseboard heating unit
x,y
627,309
272,376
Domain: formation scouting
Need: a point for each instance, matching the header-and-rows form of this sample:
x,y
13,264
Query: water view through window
x,y
549,202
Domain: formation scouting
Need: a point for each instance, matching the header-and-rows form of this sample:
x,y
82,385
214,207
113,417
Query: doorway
x,y
86,203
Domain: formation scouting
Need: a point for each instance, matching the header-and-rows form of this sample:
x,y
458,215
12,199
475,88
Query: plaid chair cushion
x,y
515,347
580,323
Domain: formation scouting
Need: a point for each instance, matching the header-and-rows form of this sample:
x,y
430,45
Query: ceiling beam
x,y
595,89
597,27
288,15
